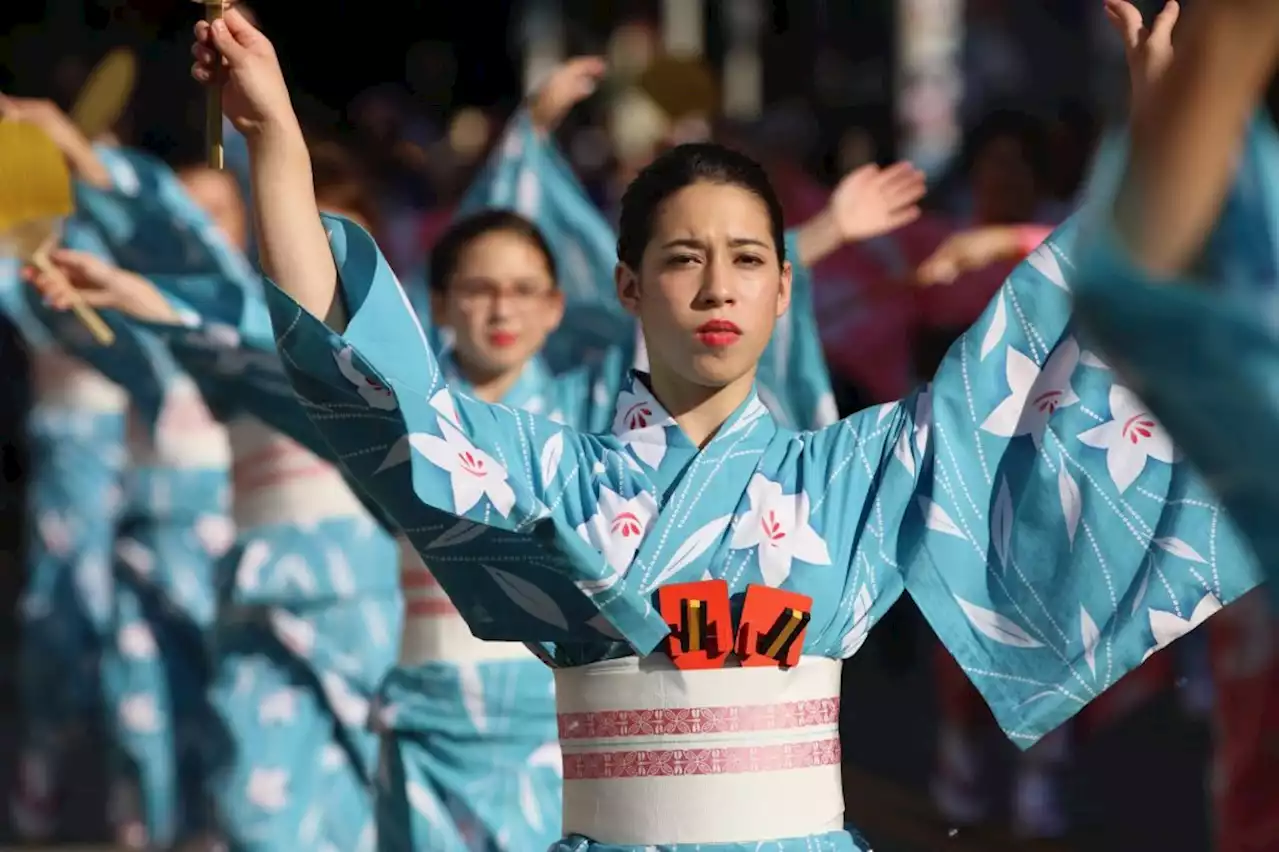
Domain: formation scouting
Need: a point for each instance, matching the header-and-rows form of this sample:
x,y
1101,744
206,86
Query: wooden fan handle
x,y
88,317
213,10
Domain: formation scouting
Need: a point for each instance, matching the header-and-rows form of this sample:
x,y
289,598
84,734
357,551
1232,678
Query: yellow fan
x,y
35,196
106,93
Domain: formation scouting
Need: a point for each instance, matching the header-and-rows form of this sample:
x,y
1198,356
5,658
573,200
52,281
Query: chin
x,y
711,371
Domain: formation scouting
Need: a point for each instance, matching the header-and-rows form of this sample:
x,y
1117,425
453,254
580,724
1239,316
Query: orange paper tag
x,y
774,623
701,629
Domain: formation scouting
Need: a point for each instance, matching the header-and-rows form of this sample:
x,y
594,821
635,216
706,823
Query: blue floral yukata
x,y
1037,514
1203,351
470,754
309,605
172,528
75,440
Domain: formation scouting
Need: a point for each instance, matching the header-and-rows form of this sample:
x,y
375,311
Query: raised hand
x,y
568,85
100,285
871,201
969,250
232,53
1147,51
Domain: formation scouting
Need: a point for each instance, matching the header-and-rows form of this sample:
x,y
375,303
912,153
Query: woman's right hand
x,y
99,285
1148,50
233,54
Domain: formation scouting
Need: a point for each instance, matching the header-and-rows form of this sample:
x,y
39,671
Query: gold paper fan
x,y
104,96
35,196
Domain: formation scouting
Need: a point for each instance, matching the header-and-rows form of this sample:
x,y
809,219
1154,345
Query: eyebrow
x,y
734,242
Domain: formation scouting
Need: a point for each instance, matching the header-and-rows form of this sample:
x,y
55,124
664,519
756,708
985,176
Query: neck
x,y
698,410
488,385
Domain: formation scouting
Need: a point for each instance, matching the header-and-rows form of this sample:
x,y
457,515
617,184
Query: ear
x,y
784,289
438,309
628,287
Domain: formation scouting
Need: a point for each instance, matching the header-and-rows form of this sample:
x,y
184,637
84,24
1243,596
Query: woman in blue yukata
x,y
172,527
310,605
695,577
75,437
469,725
308,599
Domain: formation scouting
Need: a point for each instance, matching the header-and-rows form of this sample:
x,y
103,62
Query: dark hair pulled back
x,y
454,241
681,166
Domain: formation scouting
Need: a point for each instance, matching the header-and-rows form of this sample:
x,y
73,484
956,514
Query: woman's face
x,y
709,288
501,303
216,193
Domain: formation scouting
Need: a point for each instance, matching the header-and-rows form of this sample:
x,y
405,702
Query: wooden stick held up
x,y
213,10
88,317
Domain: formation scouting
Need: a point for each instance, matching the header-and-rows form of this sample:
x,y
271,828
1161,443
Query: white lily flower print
x,y
641,423
473,473
618,527
1034,393
1130,437
777,525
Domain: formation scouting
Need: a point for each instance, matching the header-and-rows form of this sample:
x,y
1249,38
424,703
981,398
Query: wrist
x,y
819,237
276,135
85,163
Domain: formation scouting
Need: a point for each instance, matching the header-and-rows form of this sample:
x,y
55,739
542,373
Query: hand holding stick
x,y
213,11
88,317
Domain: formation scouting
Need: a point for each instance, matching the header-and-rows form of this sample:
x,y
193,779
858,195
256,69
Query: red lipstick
x,y
718,333
502,339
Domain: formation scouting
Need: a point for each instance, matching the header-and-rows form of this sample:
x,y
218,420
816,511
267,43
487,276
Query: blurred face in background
x,y
218,195
501,301
1003,180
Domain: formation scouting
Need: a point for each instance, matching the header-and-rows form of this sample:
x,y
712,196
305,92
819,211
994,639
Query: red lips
x,y
718,333
502,339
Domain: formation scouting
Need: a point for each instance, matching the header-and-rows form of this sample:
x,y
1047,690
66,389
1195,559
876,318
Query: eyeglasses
x,y
482,292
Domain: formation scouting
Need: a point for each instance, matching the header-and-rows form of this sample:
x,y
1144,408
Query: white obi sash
x,y
185,436
60,380
654,755
433,629
276,481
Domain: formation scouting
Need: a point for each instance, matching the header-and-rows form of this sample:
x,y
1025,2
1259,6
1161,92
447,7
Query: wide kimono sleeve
x,y
1202,350
149,223
1037,512
489,496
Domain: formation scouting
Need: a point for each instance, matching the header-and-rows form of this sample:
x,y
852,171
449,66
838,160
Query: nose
x,y
717,282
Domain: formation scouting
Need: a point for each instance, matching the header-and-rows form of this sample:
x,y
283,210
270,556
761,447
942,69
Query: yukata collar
x,y
652,434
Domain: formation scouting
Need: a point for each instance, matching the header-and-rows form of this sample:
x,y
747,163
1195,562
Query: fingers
x,y
79,262
240,28
57,292
1162,26
1126,20
902,184
592,66
225,41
